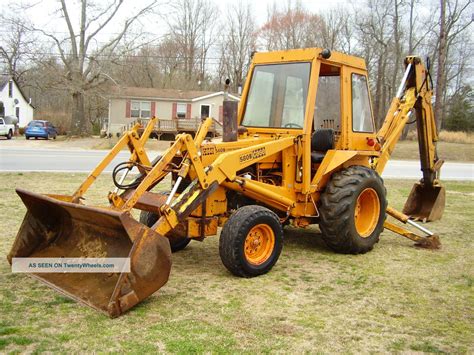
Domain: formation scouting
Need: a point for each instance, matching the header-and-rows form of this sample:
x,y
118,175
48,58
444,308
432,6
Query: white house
x,y
13,102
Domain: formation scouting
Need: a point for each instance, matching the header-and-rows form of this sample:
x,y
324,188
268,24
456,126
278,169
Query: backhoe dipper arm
x,y
414,94
427,198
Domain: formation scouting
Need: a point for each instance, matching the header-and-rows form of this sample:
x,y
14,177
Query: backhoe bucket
x,y
54,227
425,203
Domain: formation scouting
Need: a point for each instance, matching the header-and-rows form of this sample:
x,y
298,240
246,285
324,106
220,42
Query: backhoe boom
x,y
427,198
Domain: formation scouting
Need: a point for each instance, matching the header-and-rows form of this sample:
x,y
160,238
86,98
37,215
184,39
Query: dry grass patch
x,y
457,137
394,299
448,136
408,150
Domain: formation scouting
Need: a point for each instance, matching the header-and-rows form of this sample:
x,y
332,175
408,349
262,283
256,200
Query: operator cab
x,y
280,86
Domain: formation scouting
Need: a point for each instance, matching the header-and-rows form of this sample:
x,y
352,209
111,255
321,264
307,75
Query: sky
x,y
44,14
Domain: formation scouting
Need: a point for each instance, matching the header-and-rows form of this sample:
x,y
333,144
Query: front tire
x,y
251,241
353,210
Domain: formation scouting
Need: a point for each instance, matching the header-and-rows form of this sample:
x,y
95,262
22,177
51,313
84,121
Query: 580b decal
x,y
254,154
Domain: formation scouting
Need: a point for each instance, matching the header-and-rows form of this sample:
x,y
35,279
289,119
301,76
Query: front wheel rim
x,y
259,244
367,212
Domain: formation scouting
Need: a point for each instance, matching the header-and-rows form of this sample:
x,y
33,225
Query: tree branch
x,y
70,28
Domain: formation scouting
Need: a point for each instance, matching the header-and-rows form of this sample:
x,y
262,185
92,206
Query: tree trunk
x,y
79,126
440,76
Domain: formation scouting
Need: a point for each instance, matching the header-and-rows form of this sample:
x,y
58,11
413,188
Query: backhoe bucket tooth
x,y
54,227
425,203
430,242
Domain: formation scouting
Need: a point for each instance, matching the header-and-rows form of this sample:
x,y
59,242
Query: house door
x,y
205,111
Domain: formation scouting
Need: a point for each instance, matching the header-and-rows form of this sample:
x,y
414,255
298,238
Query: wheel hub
x,y
259,244
367,212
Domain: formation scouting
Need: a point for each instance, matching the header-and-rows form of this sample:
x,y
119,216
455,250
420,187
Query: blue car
x,y
40,129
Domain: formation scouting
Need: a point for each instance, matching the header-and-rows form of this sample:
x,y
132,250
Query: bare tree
x,y
376,36
238,42
81,53
337,31
292,27
17,46
440,76
452,24
192,26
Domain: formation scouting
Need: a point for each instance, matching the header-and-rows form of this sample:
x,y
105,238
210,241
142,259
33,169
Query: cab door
x,y
360,128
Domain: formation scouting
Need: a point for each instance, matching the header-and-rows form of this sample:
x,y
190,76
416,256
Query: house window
x,y
140,109
10,88
181,110
17,112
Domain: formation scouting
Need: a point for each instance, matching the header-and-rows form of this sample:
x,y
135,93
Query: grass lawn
x,y
394,299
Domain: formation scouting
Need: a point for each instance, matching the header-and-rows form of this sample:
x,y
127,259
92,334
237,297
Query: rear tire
x,y
10,134
353,210
177,238
251,241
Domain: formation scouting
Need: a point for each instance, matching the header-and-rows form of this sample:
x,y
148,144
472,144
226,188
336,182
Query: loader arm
x,y
223,169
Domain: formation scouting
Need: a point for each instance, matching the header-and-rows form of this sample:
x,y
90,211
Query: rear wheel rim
x,y
259,244
367,212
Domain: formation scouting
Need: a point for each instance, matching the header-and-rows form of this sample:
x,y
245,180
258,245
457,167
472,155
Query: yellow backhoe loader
x,y
305,151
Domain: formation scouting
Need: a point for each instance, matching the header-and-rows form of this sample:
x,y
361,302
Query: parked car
x,y
6,129
40,129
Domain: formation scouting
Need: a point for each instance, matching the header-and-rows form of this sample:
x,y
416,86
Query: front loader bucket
x,y
55,227
425,203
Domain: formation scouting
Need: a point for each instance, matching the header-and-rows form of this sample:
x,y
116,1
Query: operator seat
x,y
321,141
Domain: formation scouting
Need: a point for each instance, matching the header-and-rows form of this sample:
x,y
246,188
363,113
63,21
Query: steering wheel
x,y
292,125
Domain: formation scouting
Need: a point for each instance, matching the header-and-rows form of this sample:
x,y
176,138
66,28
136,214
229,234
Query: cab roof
x,y
308,54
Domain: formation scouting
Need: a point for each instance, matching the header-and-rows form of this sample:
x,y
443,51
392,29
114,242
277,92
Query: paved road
x,y
54,160
26,159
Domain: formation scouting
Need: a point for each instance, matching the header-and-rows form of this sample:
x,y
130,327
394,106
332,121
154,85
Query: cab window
x,y
277,96
327,113
361,111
